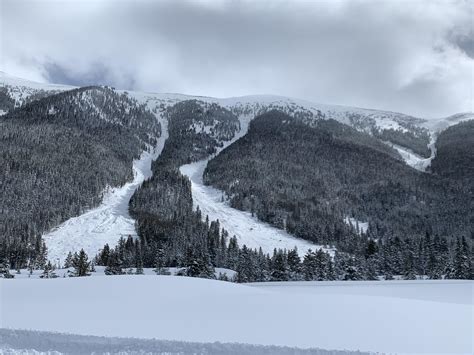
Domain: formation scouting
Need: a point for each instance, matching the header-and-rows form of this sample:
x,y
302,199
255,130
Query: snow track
x,y
107,222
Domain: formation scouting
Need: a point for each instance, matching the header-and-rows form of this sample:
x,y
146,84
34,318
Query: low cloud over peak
x,y
413,57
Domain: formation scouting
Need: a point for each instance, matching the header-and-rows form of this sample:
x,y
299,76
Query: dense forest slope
x,y
309,180
455,153
59,153
318,171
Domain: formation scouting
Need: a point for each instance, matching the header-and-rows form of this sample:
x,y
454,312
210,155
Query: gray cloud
x,y
415,57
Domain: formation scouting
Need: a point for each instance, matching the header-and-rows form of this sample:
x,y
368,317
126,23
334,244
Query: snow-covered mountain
x,y
414,139
366,120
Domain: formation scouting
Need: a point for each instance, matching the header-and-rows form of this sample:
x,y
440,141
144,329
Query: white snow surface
x,y
388,317
107,222
360,226
100,272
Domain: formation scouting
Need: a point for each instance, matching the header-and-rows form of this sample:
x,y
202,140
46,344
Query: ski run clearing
x,y
248,229
393,317
107,222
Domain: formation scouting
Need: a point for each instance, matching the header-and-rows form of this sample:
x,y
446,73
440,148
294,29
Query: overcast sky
x,y
415,57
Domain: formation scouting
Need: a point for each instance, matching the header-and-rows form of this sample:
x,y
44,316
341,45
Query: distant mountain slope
x,y
308,180
59,154
15,92
65,145
399,129
455,153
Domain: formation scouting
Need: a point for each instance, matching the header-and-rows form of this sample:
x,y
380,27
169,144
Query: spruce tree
x,y
48,272
5,269
81,264
68,261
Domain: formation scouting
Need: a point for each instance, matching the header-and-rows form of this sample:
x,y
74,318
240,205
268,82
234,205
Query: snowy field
x,y
107,222
417,317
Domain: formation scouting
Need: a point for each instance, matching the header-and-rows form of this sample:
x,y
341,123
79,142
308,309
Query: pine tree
x,y
160,268
81,264
245,268
104,255
42,257
293,262
5,269
279,268
68,261
114,265
48,272
462,261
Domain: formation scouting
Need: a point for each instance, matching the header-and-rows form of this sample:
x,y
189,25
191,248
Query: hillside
x,y
397,128
353,173
60,153
308,180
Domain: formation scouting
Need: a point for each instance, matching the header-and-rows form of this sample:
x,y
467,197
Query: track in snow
x,y
107,222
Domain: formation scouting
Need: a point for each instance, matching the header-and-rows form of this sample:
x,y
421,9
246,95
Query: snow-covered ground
x,y
361,227
22,342
100,272
417,317
107,222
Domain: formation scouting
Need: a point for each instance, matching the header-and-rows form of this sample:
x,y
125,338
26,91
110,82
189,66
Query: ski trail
x,y
248,230
107,222
414,160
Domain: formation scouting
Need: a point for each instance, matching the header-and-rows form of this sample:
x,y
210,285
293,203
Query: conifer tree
x,y
81,264
5,269
49,271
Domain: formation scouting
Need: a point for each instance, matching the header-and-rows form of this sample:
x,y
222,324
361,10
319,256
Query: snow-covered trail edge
x,y
249,230
107,222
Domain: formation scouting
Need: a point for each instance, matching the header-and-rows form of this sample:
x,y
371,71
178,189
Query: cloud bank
x,y
415,57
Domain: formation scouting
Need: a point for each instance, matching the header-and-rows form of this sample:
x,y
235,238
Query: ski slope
x,y
248,230
396,317
107,222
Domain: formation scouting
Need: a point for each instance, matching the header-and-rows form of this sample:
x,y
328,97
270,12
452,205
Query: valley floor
x,y
386,317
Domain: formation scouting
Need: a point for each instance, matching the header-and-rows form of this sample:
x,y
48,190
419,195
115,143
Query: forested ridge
x,y
300,174
308,180
58,155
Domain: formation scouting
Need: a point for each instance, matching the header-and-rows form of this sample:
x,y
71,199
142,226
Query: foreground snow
x,y
21,342
107,222
392,317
